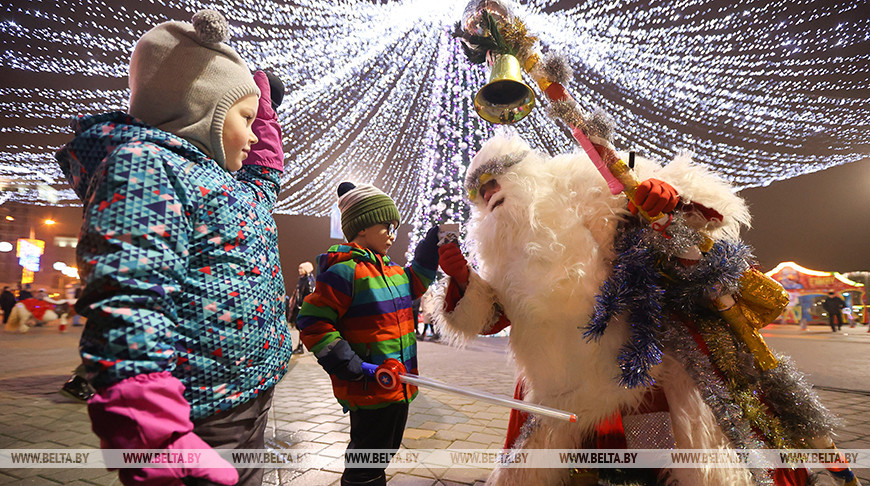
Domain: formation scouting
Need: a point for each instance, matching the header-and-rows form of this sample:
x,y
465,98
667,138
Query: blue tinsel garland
x,y
647,281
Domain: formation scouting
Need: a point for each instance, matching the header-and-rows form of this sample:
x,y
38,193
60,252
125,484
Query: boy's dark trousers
x,y
381,428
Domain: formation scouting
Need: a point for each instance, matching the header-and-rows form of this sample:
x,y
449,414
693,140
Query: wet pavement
x,y
306,416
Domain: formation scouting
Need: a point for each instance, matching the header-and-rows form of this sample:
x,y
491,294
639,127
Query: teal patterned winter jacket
x,y
180,262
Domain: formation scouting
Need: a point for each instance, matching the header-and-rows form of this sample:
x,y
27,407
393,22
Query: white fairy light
x,y
381,93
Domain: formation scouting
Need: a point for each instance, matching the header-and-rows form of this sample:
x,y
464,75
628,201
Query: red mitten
x,y
150,412
453,263
654,197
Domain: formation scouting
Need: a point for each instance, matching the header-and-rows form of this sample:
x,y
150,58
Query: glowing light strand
x,y
380,93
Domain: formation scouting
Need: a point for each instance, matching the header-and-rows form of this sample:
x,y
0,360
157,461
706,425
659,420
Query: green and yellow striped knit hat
x,y
363,206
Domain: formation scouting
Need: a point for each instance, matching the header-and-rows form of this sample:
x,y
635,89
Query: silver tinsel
x,y
680,345
717,273
495,166
682,238
531,423
792,399
600,125
597,124
555,68
568,113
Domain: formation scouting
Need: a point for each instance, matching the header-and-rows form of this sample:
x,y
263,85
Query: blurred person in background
x,y
7,302
304,286
834,306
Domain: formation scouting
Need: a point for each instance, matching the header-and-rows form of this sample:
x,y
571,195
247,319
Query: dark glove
x,y
342,362
426,254
654,197
454,263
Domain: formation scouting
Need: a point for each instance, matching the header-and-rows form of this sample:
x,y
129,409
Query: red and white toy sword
x,y
392,373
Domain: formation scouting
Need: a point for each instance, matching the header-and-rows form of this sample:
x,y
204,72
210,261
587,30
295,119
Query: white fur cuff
x,y
474,313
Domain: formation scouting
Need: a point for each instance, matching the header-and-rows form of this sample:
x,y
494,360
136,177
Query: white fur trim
x,y
474,313
500,145
695,427
18,318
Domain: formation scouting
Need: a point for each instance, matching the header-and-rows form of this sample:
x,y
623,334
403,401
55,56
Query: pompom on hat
x,y
184,79
363,206
211,26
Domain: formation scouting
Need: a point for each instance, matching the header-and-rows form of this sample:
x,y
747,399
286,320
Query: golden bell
x,y
505,99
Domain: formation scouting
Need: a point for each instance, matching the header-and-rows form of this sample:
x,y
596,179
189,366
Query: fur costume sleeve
x,y
698,185
475,312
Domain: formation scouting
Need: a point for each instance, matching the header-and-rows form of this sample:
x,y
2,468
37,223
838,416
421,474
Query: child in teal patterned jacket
x,y
185,337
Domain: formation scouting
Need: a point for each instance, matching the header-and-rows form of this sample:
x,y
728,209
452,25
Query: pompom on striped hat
x,y
363,206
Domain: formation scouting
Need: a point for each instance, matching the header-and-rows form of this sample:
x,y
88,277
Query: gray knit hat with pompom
x,y
184,78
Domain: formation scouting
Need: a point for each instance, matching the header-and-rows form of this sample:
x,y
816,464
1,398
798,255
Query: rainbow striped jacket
x,y
365,299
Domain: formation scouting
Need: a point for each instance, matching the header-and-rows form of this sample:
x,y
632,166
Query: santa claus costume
x,y
607,322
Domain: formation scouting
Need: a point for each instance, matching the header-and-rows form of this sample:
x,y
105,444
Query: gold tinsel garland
x,y
517,37
724,353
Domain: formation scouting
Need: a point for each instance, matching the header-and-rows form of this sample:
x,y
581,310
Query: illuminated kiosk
x,y
29,252
808,288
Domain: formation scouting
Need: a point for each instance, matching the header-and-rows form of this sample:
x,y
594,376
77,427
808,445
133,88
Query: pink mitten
x,y
268,151
150,412
211,466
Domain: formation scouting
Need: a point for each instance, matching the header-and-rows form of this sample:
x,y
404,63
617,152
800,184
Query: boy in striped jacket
x,y
361,311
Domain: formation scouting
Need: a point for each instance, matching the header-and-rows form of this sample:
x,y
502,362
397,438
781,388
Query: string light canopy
x,y
380,92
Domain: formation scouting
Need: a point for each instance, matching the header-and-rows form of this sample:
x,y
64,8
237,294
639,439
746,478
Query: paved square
x,y
304,414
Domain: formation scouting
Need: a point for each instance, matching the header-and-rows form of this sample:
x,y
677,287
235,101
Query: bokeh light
x,y
380,92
